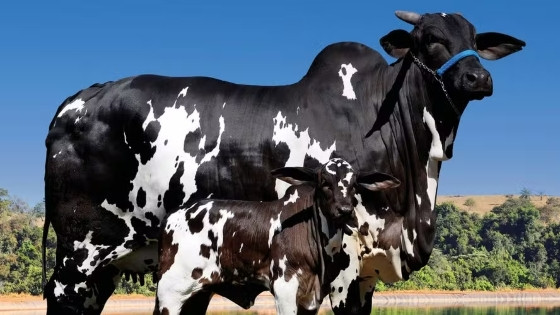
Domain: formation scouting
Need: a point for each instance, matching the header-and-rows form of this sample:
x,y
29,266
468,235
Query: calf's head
x,y
335,184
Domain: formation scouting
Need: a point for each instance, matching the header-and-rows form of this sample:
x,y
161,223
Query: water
x,y
496,310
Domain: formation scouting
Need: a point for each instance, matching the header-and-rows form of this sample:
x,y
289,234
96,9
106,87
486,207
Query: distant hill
x,y
484,203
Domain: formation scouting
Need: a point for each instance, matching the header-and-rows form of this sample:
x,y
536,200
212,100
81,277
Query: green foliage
x,y
470,202
20,252
510,247
457,232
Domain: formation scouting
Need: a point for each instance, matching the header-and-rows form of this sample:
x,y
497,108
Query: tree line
x,y
514,246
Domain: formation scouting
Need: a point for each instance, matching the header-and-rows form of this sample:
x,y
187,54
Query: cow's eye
x,y
432,39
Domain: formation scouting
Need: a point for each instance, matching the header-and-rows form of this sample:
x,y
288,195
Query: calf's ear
x,y
397,43
378,181
492,46
295,175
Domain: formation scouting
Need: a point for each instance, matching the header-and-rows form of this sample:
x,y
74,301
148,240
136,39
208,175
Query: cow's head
x,y
446,49
436,38
335,184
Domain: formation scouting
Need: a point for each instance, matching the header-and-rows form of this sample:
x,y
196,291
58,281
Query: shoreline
x,y
139,304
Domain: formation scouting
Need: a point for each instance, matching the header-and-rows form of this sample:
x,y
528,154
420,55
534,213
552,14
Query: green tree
x,y
39,209
514,229
552,245
470,203
4,201
525,193
458,232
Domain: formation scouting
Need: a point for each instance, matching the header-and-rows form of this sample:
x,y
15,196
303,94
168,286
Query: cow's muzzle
x,y
345,210
477,83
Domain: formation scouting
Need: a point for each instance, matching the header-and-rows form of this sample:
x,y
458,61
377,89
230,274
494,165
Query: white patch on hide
x,y
77,105
449,140
154,176
432,179
275,226
408,245
216,150
150,116
375,223
436,149
319,154
348,90
58,288
346,276
343,184
299,146
293,198
285,291
92,252
202,143
183,92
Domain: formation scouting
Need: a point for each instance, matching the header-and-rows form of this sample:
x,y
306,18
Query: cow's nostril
x,y
471,77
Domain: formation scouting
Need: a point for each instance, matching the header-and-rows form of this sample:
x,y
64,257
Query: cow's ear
x,y
378,181
295,175
492,46
396,43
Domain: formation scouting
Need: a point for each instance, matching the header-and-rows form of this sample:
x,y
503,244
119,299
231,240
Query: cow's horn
x,y
408,17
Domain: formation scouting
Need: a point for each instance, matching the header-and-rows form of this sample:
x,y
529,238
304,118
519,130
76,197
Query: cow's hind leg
x,y
197,303
169,303
70,291
84,276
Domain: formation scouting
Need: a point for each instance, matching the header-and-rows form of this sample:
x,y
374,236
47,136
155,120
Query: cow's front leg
x,y
358,299
297,294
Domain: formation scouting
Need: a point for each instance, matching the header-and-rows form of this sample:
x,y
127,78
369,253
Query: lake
x,y
496,310
384,303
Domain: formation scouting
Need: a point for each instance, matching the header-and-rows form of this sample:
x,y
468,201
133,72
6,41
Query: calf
x,y
241,248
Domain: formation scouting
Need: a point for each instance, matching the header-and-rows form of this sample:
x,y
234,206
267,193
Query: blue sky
x,y
51,49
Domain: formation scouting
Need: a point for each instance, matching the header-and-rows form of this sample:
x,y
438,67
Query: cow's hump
x,y
331,58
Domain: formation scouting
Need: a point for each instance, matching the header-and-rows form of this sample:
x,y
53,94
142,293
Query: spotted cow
x,y
122,155
289,246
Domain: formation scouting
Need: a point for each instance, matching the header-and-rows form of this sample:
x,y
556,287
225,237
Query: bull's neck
x,y
427,123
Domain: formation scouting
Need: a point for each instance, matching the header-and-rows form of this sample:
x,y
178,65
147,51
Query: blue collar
x,y
455,59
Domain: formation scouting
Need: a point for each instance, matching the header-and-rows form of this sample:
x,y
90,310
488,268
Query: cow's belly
x,y
382,264
140,261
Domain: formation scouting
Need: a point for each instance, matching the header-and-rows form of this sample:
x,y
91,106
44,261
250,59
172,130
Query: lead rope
x,y
438,79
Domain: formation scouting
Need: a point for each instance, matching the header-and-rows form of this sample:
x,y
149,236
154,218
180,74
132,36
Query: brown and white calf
x,y
241,248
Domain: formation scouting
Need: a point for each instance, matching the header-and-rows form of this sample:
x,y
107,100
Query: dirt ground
x,y
139,304
484,203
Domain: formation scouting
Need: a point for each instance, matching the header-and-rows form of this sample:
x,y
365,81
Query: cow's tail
x,y
44,250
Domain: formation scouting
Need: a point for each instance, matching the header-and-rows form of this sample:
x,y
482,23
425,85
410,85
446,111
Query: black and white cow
x,y
121,155
289,246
